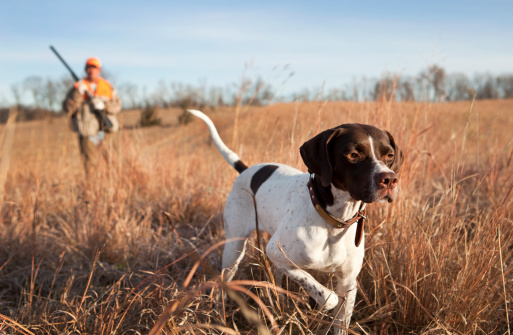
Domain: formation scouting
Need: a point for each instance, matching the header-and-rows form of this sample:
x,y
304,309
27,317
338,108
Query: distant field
x,y
114,255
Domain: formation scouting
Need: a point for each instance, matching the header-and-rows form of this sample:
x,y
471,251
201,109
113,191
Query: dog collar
x,y
358,217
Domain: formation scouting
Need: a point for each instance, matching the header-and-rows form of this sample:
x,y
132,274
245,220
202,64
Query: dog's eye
x,y
390,156
353,155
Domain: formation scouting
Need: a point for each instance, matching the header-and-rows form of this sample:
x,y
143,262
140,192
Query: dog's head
x,y
360,159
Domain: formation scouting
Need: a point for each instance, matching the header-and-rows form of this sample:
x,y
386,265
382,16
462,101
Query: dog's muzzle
x,y
386,185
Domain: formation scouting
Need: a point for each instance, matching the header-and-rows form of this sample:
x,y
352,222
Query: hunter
x,y
93,114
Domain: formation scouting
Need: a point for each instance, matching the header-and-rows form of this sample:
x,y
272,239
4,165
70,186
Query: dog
x,y
315,219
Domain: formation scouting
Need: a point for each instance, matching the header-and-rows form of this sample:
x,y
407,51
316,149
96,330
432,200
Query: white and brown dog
x,y
349,166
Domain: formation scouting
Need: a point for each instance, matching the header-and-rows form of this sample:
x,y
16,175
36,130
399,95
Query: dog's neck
x,y
336,201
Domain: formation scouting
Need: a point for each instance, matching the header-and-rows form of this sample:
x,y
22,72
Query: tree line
x,y
431,84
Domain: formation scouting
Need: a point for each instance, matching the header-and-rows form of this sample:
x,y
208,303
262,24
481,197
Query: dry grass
x,y
143,239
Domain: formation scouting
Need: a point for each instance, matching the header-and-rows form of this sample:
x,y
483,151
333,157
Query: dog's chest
x,y
333,251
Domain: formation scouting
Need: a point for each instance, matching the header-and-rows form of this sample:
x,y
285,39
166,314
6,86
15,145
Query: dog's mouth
x,y
387,194
381,195
387,198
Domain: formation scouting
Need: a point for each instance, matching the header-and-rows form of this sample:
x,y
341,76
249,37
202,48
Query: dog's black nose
x,y
386,180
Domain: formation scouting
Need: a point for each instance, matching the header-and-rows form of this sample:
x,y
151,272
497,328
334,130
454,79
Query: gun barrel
x,y
65,64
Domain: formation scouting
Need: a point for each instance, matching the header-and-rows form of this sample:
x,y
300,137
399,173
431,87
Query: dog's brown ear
x,y
316,154
398,159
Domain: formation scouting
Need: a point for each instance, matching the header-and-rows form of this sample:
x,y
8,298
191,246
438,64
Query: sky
x,y
216,42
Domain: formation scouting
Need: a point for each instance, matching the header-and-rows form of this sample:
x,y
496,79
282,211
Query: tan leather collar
x,y
359,216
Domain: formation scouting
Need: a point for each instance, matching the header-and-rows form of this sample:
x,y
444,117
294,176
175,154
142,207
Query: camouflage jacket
x,y
80,112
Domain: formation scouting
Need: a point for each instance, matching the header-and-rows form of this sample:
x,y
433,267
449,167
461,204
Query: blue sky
x,y
329,42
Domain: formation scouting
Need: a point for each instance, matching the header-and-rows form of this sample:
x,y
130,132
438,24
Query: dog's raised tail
x,y
231,157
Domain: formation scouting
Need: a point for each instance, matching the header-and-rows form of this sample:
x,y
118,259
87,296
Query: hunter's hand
x,y
82,87
98,104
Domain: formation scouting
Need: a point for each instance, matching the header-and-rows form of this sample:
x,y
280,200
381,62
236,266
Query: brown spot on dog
x,y
261,176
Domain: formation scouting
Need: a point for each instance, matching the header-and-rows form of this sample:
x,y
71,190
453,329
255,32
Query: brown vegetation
x,y
141,240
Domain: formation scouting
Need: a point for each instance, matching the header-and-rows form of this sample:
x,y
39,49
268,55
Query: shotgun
x,y
105,123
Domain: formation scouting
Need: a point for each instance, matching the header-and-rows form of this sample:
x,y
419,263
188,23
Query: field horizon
x,y
137,248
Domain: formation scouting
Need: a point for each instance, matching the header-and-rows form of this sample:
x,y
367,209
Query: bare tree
x,y
303,96
17,92
258,93
64,84
215,97
129,93
459,87
336,94
161,96
486,87
431,83
49,94
438,81
34,85
405,89
384,89
505,85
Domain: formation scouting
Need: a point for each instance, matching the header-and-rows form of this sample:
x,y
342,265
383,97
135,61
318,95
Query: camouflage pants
x,y
92,154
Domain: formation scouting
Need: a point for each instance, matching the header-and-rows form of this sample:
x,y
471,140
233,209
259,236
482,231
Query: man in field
x,y
87,113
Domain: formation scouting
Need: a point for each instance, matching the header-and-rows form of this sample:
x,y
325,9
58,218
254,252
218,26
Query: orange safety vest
x,y
103,88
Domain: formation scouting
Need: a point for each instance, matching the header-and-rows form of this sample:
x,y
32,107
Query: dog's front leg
x,y
323,296
346,289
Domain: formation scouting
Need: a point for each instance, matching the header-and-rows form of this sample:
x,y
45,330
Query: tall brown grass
x,y
138,246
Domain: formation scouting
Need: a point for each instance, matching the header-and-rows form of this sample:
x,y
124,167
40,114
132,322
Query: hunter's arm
x,y
72,103
113,106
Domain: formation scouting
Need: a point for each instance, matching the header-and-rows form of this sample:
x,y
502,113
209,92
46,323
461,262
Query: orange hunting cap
x,y
93,61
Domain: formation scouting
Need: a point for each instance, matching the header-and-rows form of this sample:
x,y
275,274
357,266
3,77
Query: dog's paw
x,y
331,302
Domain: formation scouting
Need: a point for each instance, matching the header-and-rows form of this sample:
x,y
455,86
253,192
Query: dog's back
x,y
274,187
